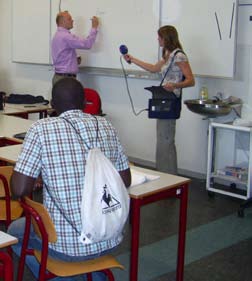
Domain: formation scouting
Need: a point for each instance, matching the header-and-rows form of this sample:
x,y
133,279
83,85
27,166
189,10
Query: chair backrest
x,y
93,102
40,219
36,214
5,196
5,175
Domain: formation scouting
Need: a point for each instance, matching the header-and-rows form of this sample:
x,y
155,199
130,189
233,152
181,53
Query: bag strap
x,y
79,135
170,65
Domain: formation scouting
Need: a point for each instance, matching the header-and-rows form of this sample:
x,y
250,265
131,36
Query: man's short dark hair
x,y
67,94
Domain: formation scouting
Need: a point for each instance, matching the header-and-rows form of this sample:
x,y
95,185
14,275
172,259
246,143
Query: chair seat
x,y
16,210
62,268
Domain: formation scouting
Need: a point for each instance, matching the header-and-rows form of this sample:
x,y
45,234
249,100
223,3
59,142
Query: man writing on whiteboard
x,y
64,45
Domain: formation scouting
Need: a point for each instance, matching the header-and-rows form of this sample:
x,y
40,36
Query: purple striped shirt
x,y
64,45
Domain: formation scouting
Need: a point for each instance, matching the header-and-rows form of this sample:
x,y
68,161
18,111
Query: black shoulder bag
x,y
164,104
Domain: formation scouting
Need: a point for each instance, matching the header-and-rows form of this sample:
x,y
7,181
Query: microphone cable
x,y
59,6
128,91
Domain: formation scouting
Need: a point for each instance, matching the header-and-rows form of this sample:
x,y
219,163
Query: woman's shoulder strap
x,y
178,51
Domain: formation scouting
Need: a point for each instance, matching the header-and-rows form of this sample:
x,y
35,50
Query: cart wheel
x,y
240,213
210,194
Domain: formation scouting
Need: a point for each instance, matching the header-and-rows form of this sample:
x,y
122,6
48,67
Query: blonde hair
x,y
171,39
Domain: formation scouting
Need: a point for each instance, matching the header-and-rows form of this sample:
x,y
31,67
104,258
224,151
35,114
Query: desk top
x,y
10,108
10,125
20,108
6,239
165,181
10,153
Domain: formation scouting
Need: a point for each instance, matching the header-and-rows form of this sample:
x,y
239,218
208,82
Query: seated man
x,y
52,149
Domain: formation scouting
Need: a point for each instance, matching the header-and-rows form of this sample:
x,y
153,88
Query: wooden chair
x,y
9,209
50,268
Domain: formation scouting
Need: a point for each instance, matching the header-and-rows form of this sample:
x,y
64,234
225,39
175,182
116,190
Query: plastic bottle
x,y
203,93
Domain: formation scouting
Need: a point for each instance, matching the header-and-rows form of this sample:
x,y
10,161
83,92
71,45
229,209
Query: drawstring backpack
x,y
105,199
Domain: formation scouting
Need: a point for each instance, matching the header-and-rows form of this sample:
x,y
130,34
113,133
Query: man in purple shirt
x,y
64,45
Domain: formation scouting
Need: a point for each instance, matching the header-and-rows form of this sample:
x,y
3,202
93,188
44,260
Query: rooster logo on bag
x,y
109,203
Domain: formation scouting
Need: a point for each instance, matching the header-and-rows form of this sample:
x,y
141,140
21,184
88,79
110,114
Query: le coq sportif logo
x,y
109,202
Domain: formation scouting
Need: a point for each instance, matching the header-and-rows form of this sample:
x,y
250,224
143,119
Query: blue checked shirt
x,y
52,148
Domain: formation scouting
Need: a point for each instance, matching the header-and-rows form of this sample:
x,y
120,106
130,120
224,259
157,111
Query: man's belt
x,y
66,74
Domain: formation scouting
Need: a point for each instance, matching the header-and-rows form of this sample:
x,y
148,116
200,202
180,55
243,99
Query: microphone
x,y
124,51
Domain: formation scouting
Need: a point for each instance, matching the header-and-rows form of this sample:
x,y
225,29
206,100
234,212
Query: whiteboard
x,y
207,31
30,31
133,23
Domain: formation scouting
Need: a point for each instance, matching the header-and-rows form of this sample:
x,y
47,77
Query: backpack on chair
x,y
105,200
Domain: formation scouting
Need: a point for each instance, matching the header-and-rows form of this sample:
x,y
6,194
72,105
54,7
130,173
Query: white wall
x,y
137,133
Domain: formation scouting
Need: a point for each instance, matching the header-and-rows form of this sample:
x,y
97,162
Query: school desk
x,y
166,186
23,110
6,265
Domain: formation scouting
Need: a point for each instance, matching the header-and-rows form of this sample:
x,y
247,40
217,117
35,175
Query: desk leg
x,y
182,232
7,267
42,114
135,220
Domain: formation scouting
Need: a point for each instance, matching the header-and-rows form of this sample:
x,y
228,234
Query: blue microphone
x,y
124,51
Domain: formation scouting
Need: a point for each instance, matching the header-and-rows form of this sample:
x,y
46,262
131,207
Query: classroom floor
x,y
218,247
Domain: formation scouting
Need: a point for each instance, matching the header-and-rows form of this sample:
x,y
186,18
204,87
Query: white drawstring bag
x,y
105,200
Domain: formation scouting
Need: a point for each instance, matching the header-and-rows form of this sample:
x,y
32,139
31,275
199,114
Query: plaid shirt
x,y
52,148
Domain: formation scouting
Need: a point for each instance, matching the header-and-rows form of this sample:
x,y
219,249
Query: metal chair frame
x,y
44,228
10,209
